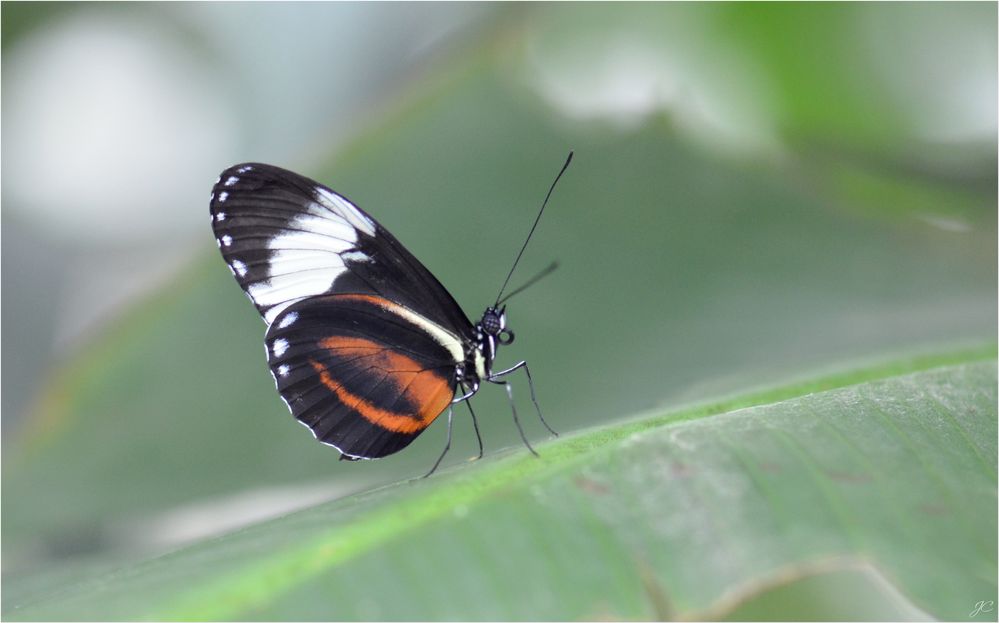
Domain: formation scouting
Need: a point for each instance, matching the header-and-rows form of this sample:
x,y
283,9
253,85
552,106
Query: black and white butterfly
x,y
366,346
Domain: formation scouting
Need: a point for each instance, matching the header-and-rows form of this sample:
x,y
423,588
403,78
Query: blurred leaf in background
x,y
761,193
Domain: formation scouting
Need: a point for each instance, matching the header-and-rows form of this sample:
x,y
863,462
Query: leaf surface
x,y
675,516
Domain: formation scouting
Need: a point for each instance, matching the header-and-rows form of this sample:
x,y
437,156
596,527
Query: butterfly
x,y
366,347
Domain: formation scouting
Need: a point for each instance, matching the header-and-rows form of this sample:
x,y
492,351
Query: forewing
x,y
283,236
359,373
286,238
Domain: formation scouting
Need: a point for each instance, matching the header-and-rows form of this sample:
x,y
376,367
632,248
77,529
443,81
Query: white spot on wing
x,y
345,209
220,217
279,346
239,267
244,169
226,240
275,311
340,233
231,180
223,196
288,320
305,260
355,256
283,370
281,288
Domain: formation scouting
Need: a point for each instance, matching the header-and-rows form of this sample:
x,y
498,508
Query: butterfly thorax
x,y
490,333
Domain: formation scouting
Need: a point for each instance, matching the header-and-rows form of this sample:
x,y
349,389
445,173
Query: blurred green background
x,y
761,193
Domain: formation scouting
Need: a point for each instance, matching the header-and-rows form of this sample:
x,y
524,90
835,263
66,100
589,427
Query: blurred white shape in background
x,y
309,76
624,77
114,131
113,134
623,84
223,513
118,118
939,65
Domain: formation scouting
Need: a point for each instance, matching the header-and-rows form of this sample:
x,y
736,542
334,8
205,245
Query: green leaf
x,y
686,275
705,511
678,269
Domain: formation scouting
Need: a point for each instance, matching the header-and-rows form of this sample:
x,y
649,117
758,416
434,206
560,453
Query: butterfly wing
x,y
360,371
362,339
286,238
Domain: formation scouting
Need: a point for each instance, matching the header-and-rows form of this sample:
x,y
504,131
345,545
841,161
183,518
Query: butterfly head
x,y
493,324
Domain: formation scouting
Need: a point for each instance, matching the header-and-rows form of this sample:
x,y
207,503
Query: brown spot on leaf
x,y
851,477
933,508
590,486
771,467
681,470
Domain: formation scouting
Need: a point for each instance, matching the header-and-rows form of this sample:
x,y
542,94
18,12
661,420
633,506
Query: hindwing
x,y
365,374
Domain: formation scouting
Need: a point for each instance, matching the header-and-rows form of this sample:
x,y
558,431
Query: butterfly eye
x,y
491,322
505,337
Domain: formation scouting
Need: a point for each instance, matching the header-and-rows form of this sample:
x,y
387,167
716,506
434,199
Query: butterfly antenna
x,y
533,227
530,282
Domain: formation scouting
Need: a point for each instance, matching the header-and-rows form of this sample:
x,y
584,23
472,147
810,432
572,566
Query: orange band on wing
x,y
370,298
425,388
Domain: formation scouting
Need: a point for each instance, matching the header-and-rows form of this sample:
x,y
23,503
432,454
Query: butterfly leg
x,y
530,383
467,395
465,398
513,408
447,446
475,423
